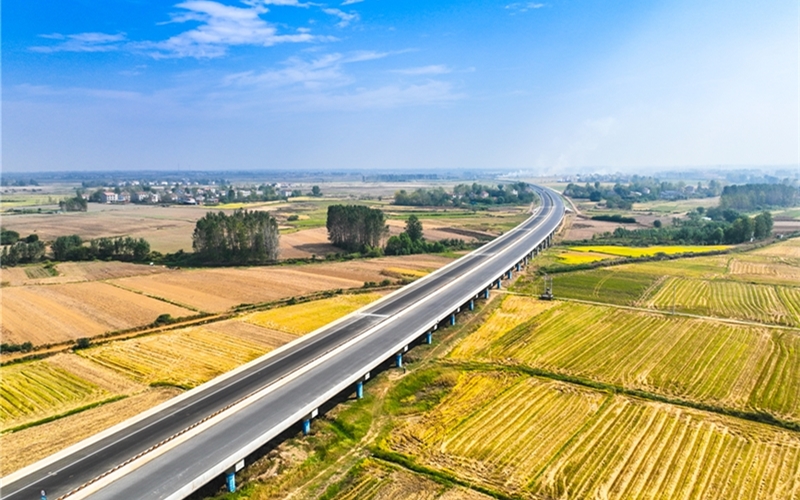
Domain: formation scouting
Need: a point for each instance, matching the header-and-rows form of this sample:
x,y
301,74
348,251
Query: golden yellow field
x,y
185,358
376,480
648,251
735,366
307,317
534,438
59,313
730,299
789,249
571,257
29,445
33,390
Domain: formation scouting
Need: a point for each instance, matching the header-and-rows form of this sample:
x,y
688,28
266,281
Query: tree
x,y
240,238
762,225
8,237
316,191
64,245
355,227
414,228
656,223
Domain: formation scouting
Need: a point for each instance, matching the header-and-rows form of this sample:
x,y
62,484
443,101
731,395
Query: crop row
x,y
730,299
184,358
304,318
731,365
533,438
35,389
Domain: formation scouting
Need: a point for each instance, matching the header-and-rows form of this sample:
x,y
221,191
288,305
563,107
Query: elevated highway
x,y
181,445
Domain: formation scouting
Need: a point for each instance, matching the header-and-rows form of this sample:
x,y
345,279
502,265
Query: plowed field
x,y
58,313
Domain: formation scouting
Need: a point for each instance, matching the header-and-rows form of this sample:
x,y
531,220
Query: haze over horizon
x,y
359,84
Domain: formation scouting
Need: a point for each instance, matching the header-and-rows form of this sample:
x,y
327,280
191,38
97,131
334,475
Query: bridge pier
x,y
499,284
486,294
230,475
471,304
398,360
509,274
360,389
306,426
519,266
429,338
452,319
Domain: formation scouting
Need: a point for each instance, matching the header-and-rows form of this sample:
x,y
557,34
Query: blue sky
x,y
546,86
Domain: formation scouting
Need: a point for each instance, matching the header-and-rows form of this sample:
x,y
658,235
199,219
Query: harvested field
x,y
512,312
38,389
730,299
253,333
305,243
59,313
25,447
633,449
534,438
304,318
70,272
788,249
376,480
727,365
217,290
185,358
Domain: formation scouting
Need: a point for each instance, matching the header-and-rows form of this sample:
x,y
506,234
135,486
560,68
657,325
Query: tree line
x,y
244,237
73,248
356,228
701,227
411,241
466,195
749,197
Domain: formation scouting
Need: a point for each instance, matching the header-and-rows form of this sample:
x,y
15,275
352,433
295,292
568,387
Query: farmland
x,y
648,251
727,365
184,358
33,390
201,288
525,436
729,299
304,318
90,299
58,313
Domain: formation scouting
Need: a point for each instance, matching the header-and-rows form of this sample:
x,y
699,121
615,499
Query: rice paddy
x,y
535,438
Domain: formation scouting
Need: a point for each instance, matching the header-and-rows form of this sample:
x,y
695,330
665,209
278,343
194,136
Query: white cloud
x,y
323,72
221,26
351,2
524,6
345,18
82,42
435,69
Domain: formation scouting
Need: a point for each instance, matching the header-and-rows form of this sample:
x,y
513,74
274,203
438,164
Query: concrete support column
x,y
429,338
509,274
360,389
306,426
471,304
486,294
398,360
230,475
452,319
499,284
519,266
